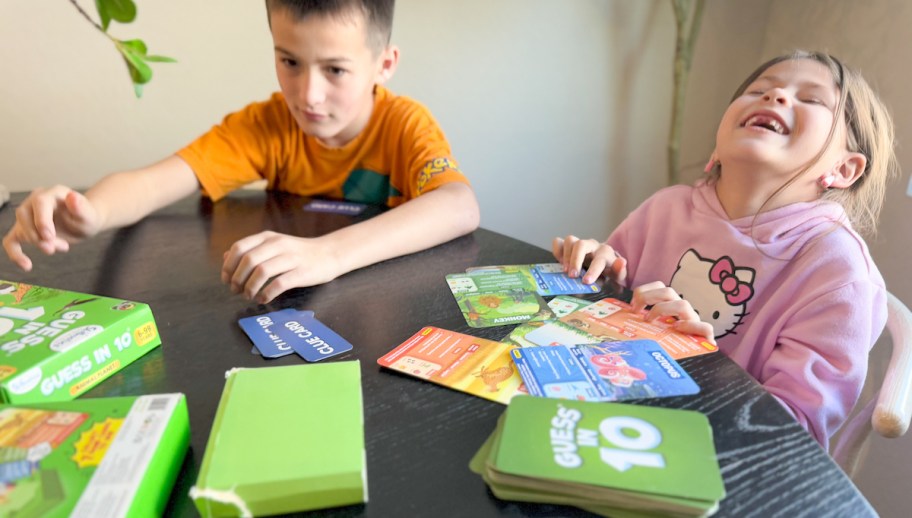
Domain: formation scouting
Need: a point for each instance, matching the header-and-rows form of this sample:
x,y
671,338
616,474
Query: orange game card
x,y
612,319
478,366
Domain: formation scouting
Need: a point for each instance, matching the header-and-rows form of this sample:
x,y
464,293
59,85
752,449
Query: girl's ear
x,y
848,170
389,60
713,160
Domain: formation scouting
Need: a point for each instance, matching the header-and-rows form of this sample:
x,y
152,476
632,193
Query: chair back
x,y
889,410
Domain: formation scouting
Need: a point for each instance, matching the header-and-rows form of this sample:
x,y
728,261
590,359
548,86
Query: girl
x,y
763,256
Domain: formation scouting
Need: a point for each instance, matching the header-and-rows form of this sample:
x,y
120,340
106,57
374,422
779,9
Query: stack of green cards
x,y
608,458
511,294
548,279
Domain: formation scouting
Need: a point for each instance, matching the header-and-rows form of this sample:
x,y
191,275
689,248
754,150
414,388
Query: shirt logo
x,y
433,168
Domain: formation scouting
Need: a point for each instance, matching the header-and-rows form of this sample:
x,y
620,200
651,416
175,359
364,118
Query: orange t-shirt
x,y
399,155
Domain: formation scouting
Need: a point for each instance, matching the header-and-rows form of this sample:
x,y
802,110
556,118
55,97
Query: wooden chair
x,y
889,410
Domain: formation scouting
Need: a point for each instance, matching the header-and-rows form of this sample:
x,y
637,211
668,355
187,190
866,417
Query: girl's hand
x,y
573,253
665,303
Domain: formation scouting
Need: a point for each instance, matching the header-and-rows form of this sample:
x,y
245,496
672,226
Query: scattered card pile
x,y
608,458
548,279
511,294
612,319
610,371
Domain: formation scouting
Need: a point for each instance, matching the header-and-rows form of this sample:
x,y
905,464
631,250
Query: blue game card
x,y
336,207
551,280
609,371
263,331
312,340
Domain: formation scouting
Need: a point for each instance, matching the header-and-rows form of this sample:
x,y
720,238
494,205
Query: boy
x,y
334,131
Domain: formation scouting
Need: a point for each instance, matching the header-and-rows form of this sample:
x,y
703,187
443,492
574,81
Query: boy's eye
x,y
336,71
289,62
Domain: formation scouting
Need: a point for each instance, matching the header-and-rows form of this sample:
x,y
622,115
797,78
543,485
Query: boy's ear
x,y
389,60
849,170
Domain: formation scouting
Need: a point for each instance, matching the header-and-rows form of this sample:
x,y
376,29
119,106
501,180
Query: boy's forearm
x,y
124,198
433,218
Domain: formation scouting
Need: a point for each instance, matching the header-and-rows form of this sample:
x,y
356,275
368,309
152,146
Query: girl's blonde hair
x,y
869,131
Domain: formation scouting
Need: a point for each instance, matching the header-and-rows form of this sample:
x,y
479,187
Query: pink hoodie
x,y
793,295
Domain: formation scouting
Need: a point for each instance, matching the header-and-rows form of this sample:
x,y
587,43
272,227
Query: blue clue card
x,y
283,332
312,340
336,207
263,331
609,371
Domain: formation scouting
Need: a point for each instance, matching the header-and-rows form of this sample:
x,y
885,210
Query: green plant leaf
x,y
135,46
123,11
101,7
134,53
160,59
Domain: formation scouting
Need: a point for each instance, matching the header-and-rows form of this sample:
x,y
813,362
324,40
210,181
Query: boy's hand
x,y
291,262
50,219
574,253
666,302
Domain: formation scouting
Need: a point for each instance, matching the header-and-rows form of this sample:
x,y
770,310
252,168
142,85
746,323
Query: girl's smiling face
x,y
782,120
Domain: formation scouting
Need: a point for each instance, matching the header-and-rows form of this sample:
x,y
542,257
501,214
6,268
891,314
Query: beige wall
x,y
68,110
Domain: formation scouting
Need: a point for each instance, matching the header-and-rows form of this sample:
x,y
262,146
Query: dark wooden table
x,y
419,436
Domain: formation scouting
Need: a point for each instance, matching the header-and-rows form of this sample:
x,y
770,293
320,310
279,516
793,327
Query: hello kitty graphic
x,y
717,289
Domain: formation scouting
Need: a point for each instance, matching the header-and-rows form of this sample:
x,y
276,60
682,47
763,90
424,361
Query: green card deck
x,y
56,344
609,458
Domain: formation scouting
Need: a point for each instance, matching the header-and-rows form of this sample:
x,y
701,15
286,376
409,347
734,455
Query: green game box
x,y
98,458
284,440
56,344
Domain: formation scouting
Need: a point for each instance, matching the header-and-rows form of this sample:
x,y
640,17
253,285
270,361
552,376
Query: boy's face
x,y
327,72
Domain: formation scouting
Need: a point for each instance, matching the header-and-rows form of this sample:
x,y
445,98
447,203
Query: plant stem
x,y
87,17
686,38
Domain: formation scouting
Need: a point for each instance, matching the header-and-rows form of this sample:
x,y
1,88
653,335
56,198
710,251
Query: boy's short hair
x,y
378,15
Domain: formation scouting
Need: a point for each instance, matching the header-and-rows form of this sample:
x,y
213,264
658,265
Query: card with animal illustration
x,y
612,319
497,299
548,332
466,363
548,279
563,305
609,371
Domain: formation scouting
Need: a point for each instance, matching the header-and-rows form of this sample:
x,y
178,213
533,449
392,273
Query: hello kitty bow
x,y
722,274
